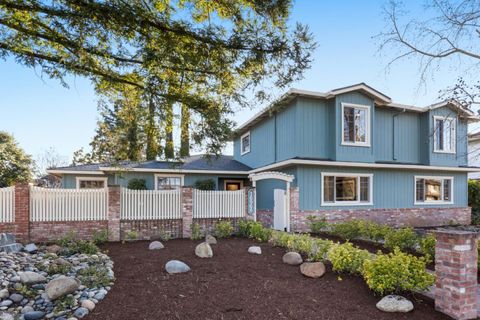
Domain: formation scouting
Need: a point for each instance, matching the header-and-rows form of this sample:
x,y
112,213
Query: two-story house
x,y
347,153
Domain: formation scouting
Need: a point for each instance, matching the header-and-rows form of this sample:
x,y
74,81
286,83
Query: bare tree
x,y
48,159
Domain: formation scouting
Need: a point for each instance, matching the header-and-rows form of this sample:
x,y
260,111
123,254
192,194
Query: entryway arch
x,y
288,178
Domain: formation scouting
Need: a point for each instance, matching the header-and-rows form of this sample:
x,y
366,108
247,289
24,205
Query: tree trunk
x,y
185,132
152,133
169,148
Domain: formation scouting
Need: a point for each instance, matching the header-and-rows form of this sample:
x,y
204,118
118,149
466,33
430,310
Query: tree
x,y
48,159
185,132
15,164
204,54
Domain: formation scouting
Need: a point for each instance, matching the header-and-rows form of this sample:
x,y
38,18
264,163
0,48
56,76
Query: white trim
x,y
420,203
367,129
156,176
173,170
347,203
287,163
56,171
249,143
254,177
79,179
232,181
453,125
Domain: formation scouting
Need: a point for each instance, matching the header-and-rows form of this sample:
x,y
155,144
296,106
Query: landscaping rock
x,y
60,287
16,297
4,293
156,245
34,315
29,277
53,249
176,266
80,312
6,303
30,248
203,250
255,250
88,304
6,316
292,258
394,303
312,269
210,239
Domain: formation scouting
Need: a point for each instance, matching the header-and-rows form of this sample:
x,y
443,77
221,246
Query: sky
x,y
41,114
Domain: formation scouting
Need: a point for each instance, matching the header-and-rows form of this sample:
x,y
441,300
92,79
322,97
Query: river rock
x,y
4,293
394,303
54,248
292,258
176,266
5,316
203,250
255,250
33,315
60,287
210,239
88,304
312,269
30,248
29,277
15,297
155,245
80,312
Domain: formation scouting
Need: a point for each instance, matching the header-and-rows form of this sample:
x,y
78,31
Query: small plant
x,y
67,239
25,291
346,230
65,303
205,184
58,268
427,247
137,184
72,246
244,228
395,272
372,231
404,239
347,258
164,235
317,225
100,236
223,229
196,232
258,232
131,235
94,277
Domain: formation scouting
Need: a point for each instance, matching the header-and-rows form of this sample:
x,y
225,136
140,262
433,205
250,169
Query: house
x,y
474,153
348,153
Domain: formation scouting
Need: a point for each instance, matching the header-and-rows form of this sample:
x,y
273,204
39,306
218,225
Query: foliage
x,y
94,277
15,164
317,225
223,229
396,271
427,247
373,231
347,258
205,184
315,249
254,230
70,245
403,238
100,236
474,199
131,235
137,184
26,291
163,235
64,303
346,230
196,232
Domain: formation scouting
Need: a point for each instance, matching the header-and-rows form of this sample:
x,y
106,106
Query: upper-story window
x,y
444,134
356,125
245,143
431,190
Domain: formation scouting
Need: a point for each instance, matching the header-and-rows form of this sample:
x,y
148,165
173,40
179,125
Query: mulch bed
x,y
234,285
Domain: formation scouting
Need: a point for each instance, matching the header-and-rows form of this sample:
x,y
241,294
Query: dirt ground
x,y
234,285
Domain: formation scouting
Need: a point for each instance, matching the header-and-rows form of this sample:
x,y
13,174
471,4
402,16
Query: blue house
x,y
348,153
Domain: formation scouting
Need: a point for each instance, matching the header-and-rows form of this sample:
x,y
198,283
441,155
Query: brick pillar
x,y
252,215
22,212
113,213
294,209
187,211
456,273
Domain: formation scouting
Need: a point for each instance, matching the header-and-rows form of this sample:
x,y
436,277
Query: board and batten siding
x,y
264,189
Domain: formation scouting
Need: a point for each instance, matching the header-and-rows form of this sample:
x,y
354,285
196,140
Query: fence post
x,y
113,213
22,212
456,273
187,211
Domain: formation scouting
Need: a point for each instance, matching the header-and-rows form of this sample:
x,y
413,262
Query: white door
x,y
279,210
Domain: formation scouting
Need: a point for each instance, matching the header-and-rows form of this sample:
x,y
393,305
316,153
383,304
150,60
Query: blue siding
x,y
265,189
69,181
287,132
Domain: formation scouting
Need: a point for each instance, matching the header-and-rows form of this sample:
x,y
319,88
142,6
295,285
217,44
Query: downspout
x,y
275,138
393,133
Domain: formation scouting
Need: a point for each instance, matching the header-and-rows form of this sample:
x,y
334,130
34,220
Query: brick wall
x,y
22,212
54,230
151,229
265,217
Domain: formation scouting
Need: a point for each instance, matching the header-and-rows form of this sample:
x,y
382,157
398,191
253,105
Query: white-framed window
x,y
232,185
355,125
346,189
168,181
444,134
433,190
245,143
91,182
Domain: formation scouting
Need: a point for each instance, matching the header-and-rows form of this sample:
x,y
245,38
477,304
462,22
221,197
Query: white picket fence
x,y
68,204
218,204
150,204
7,204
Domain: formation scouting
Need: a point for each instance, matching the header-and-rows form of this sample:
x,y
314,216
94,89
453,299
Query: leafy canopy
x,y
15,164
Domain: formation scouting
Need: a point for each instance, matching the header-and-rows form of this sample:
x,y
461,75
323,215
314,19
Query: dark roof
x,y
197,162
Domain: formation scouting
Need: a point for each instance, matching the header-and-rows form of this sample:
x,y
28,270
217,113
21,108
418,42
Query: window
x,y
91,183
168,182
356,125
347,189
233,185
444,134
245,143
431,190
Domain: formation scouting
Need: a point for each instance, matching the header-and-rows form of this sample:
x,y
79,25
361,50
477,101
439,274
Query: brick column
x,y
247,216
294,209
187,211
113,213
456,273
22,212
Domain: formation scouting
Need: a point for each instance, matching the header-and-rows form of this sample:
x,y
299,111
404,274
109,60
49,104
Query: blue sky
x,y
40,113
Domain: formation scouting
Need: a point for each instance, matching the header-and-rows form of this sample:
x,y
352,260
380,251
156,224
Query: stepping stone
x,y
255,250
394,303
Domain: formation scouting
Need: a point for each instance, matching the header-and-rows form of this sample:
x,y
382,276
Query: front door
x,y
279,210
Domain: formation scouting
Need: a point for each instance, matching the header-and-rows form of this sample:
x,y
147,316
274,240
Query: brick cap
x,y
455,232
114,186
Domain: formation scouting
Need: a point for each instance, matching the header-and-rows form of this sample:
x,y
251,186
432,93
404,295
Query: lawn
x,y
234,285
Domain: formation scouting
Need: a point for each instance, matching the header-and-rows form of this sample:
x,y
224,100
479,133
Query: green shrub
x,y
347,258
317,224
320,249
395,272
196,232
72,246
427,247
94,277
259,233
346,230
205,184
131,235
404,239
100,237
137,184
372,231
244,228
223,229
64,303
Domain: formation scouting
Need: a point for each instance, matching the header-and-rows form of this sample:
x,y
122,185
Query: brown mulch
x,y
234,285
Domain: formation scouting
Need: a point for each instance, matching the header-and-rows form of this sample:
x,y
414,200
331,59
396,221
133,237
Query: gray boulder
x,y
292,258
155,245
312,269
60,287
210,239
30,248
255,250
176,266
394,303
203,250
33,315
29,277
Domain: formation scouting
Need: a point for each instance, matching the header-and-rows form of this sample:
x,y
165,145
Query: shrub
x,y
317,225
347,258
404,239
427,247
100,236
94,277
372,231
72,246
259,233
244,228
196,232
396,271
223,229
137,184
346,230
163,235
320,249
205,184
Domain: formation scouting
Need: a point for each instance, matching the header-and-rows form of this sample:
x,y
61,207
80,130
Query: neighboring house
x,y
348,153
474,153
